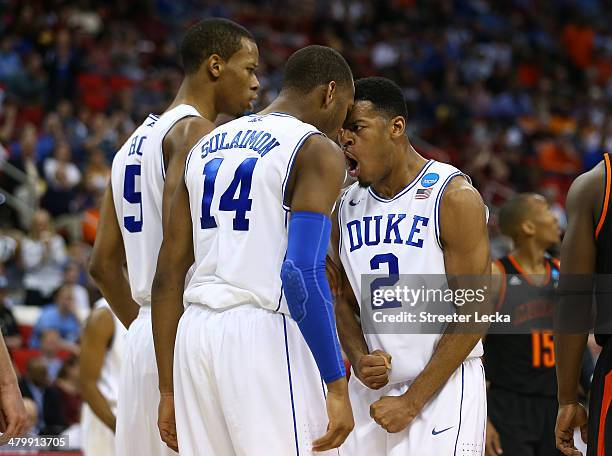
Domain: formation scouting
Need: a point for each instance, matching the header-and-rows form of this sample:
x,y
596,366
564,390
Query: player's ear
x,y
528,227
215,65
397,126
330,93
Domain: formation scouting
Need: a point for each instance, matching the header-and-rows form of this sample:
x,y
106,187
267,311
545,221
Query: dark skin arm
x,y
175,259
96,337
108,262
314,186
13,416
371,368
463,232
578,254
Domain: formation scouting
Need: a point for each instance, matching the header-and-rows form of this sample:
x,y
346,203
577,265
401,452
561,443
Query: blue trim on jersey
x,y
460,406
281,114
280,298
484,425
163,167
340,223
187,163
437,205
406,189
292,159
297,448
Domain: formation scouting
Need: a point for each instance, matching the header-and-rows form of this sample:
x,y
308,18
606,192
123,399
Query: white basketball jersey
x,y
394,236
137,180
108,383
236,178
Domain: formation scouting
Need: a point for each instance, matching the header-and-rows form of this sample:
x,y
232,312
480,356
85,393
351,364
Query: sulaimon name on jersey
x,y
258,141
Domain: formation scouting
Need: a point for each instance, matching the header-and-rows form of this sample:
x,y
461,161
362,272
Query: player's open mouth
x,y
352,163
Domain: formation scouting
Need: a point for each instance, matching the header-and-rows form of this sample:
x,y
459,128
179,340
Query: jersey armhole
x,y
294,153
606,201
502,289
340,224
161,143
439,200
187,164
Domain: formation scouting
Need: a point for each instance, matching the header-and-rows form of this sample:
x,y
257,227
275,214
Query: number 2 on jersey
x,y
393,264
243,177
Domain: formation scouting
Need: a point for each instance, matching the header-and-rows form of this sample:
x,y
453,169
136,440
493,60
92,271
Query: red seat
x,y
26,332
118,83
21,356
90,81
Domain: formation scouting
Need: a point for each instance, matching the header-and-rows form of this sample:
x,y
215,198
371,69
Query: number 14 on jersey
x,y
241,184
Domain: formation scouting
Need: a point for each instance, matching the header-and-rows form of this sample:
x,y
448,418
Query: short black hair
x,y
313,66
386,96
514,212
211,36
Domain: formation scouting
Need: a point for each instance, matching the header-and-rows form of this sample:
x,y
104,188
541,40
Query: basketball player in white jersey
x,y
102,345
254,212
411,393
219,59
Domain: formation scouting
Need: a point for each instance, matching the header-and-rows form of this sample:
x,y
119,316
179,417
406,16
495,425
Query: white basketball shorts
x,y
453,423
245,384
138,397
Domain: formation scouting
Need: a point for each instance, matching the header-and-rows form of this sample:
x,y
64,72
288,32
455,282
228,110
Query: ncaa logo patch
x,y
429,179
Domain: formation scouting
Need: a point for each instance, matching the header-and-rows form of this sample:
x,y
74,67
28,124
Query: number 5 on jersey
x,y
133,196
243,177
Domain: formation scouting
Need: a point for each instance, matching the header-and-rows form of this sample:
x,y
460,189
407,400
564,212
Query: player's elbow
x,y
98,267
95,269
87,386
162,282
157,286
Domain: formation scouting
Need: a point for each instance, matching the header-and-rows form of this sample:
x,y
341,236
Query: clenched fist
x,y
373,369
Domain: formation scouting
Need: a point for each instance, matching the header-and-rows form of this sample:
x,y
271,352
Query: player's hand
x,y
493,443
13,414
394,413
340,417
166,422
569,417
373,369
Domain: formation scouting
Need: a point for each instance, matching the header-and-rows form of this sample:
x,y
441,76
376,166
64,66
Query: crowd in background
x,y
516,93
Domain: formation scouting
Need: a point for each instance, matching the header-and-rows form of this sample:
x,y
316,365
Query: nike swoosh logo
x,y
434,432
353,203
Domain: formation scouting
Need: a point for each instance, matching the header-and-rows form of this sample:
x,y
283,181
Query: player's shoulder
x,y
454,183
461,201
587,187
440,167
319,152
186,133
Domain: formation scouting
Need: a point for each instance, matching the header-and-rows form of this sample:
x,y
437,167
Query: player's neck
x,y
288,105
408,165
200,96
530,256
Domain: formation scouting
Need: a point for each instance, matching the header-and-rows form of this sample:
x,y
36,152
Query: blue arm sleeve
x,y
307,290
